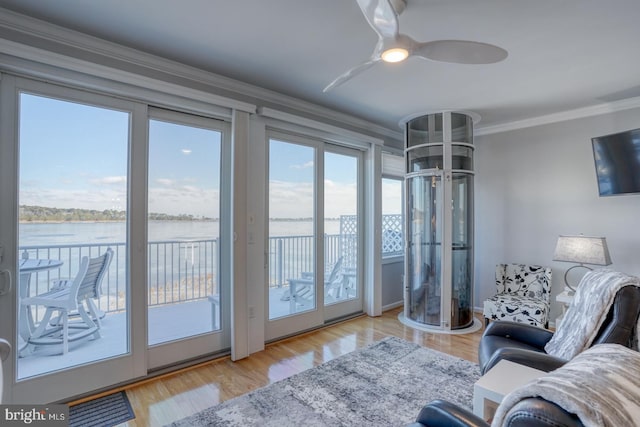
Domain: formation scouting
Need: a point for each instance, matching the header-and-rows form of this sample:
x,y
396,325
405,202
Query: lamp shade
x,y
582,250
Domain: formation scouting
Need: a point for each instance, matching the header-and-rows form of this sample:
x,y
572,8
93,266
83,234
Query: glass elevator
x,y
438,276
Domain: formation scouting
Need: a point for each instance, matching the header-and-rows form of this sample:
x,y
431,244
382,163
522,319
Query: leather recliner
x,y
531,412
524,344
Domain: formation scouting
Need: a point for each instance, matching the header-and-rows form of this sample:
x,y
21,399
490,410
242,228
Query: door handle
x,y
7,283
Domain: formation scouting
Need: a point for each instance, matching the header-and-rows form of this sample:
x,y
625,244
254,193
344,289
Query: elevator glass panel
x,y
425,248
462,250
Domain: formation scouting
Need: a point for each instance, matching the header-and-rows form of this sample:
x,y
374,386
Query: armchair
x,y
522,295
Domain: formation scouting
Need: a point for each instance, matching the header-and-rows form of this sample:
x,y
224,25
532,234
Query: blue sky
x,y
75,156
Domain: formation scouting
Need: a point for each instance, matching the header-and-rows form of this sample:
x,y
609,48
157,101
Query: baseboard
x,y
392,305
477,310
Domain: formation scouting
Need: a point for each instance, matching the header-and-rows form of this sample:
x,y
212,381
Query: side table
x,y
565,299
499,381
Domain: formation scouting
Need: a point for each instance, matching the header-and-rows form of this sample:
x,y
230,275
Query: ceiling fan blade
x,y
381,16
352,72
460,52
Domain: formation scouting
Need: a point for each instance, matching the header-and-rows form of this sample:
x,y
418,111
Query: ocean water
x,y
31,234
172,262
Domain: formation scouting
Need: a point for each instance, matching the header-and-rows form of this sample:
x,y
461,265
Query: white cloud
x,y
286,199
190,200
391,197
340,199
110,180
95,198
165,182
307,165
295,200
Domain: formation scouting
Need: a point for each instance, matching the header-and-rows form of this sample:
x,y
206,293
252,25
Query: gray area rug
x,y
384,384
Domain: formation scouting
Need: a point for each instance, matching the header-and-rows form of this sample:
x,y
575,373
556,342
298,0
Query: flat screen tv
x,y
617,158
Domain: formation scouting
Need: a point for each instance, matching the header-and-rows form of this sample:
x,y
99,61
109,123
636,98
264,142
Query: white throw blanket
x,y
587,312
601,386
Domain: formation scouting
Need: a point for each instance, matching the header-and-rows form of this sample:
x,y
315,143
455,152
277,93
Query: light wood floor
x,y
174,396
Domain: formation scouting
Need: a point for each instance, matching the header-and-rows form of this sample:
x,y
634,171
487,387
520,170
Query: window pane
x,y
73,205
340,227
183,228
392,240
291,229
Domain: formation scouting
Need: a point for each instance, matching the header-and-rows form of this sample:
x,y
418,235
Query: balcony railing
x,y
180,271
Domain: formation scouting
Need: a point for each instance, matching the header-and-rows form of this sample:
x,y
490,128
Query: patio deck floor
x,y
195,316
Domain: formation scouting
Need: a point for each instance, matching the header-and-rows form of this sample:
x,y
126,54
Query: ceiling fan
x,y
393,46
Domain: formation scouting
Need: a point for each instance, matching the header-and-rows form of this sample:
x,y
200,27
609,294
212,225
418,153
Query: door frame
x,y
176,351
139,360
84,378
345,308
321,314
313,318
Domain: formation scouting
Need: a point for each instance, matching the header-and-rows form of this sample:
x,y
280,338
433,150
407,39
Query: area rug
x,y
383,384
106,411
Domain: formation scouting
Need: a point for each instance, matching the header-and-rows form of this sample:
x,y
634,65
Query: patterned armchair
x,y
523,295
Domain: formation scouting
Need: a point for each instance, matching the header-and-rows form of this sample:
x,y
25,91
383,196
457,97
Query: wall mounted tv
x,y
617,159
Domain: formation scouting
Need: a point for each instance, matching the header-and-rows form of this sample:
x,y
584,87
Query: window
x,y
392,218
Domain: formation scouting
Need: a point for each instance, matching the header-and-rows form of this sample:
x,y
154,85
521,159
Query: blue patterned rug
x,y
106,411
384,384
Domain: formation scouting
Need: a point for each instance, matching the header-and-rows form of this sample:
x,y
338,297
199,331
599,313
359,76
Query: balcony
x,y
182,276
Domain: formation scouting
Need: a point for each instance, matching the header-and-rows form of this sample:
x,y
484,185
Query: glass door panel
x,y
72,206
66,242
424,277
291,243
341,228
186,299
462,249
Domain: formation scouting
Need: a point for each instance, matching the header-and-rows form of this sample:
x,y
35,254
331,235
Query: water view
x,y
114,232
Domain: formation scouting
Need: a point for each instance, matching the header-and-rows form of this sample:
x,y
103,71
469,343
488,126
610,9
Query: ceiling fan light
x,y
396,54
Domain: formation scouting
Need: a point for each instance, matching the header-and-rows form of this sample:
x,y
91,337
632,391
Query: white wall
x,y
536,183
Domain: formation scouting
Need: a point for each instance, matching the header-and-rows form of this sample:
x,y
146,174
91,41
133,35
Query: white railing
x,y
188,270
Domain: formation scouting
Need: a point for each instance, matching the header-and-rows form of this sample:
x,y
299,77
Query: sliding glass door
x,y
65,172
292,287
112,255
186,298
342,231
314,234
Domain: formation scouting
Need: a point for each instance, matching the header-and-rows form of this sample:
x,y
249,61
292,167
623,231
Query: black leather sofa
x,y
532,412
524,344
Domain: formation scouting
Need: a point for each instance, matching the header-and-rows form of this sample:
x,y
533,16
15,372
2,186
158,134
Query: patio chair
x,y
87,294
303,287
68,297
5,349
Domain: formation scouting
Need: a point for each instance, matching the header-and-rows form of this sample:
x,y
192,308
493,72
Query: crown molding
x,y
245,92
578,113
327,130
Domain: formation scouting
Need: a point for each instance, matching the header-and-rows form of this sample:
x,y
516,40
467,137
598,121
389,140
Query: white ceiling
x,y
563,54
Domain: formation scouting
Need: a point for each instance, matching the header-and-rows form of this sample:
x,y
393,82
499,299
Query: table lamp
x,y
581,250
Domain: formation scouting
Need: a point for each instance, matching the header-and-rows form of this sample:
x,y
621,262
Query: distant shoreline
x,y
98,221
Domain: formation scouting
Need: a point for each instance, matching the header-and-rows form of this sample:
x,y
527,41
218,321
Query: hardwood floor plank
x,y
180,394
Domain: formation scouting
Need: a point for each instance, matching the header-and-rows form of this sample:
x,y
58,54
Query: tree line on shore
x,y
42,214
48,214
